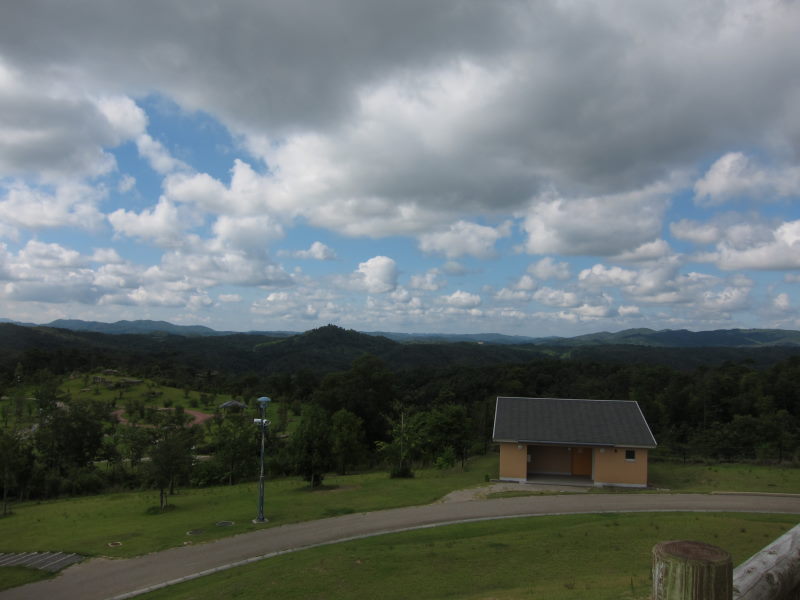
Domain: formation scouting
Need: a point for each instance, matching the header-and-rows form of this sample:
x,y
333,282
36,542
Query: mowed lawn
x,y
724,477
88,525
552,558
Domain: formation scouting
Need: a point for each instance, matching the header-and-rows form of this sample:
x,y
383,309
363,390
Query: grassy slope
x,y
567,557
15,576
86,525
724,478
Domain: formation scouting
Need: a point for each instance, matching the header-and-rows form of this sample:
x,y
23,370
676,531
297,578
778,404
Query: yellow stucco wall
x,y
513,461
611,467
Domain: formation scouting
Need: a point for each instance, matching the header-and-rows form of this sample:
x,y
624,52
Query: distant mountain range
x,y
157,346
666,338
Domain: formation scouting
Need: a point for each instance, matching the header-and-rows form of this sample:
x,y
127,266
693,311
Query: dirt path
x,y
482,493
100,579
198,418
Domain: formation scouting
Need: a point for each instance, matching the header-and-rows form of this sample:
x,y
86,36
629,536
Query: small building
x,y
602,441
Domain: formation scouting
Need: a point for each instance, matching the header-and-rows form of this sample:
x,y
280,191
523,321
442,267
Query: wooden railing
x,y
697,571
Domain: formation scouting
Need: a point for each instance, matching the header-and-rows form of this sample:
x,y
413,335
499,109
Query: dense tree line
x,y
371,414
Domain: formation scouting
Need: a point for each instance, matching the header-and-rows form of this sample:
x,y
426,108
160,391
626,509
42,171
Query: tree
x,y
72,435
235,442
448,432
171,456
406,442
311,445
10,455
133,443
347,439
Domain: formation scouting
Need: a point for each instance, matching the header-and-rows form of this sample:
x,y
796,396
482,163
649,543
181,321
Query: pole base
x,y
259,521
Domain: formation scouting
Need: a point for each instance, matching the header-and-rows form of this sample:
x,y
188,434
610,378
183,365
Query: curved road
x,y
102,579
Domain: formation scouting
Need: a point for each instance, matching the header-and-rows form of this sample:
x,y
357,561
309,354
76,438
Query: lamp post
x,y
263,423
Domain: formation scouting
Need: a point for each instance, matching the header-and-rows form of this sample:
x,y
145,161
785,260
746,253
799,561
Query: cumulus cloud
x,y
481,106
548,268
754,247
695,232
462,299
649,252
593,225
512,295
552,297
781,302
163,224
601,276
157,155
464,239
317,251
250,235
68,205
735,176
430,281
378,275
581,124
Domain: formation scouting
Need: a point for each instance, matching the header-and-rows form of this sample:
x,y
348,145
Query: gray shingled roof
x,y
566,421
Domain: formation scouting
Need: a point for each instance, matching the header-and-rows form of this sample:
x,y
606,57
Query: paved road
x,y
101,579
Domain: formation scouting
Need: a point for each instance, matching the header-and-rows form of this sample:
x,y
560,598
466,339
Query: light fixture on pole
x,y
262,423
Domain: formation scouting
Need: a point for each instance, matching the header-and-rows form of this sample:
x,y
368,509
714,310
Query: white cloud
x,y
164,224
106,255
727,299
464,239
512,295
594,311
462,299
628,311
429,281
735,176
126,184
601,276
781,302
126,118
157,155
526,282
593,225
229,298
250,235
552,297
751,247
317,251
548,268
648,252
378,275
69,205
692,231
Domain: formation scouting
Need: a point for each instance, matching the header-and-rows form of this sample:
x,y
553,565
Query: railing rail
x,y
684,570
773,573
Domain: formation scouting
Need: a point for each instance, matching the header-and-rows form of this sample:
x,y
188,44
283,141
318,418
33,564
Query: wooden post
x,y
691,571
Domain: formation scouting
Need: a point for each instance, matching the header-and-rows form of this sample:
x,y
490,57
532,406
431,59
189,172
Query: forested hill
x,y
320,351
665,338
682,338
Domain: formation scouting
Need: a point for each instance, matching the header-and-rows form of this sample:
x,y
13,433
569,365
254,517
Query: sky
x,y
462,166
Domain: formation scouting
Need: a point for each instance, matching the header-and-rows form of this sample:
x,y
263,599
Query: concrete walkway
x,y
101,579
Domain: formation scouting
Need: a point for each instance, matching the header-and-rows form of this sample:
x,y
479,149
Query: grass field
x,y
724,478
14,576
87,525
602,557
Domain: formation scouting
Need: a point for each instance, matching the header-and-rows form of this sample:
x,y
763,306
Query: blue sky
x,y
532,168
